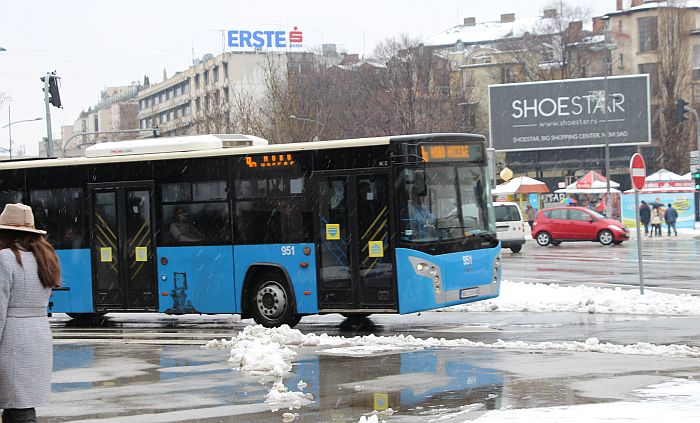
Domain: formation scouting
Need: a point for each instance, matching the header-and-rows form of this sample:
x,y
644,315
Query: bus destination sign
x,y
451,153
270,160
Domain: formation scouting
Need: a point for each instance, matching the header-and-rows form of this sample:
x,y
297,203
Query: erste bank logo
x,y
239,38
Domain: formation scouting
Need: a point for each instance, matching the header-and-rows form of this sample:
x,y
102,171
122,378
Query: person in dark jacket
x,y
645,216
670,216
29,268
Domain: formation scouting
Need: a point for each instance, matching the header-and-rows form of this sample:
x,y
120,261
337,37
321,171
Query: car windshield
x,y
430,199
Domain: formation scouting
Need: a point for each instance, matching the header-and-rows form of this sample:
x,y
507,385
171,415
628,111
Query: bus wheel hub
x,y
271,300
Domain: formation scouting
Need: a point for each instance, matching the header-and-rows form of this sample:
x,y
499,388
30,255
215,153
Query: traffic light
x,y
696,176
681,110
54,96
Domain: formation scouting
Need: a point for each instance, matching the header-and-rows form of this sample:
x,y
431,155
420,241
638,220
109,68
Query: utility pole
x,y
49,145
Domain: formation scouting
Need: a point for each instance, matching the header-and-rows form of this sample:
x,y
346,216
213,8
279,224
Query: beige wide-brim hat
x,y
19,217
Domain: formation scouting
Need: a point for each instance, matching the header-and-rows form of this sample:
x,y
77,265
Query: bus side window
x,y
59,213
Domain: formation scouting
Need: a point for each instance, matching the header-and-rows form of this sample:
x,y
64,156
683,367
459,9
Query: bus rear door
x,y
122,247
353,226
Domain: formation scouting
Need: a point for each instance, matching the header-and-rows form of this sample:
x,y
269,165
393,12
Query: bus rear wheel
x,y
272,303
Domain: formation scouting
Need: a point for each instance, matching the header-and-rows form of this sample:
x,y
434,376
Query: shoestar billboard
x,y
570,113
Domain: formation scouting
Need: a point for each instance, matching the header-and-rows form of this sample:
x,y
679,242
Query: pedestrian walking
x,y
29,269
645,216
530,213
655,222
671,216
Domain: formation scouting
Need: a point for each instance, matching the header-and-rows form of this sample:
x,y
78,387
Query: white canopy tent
x,y
520,185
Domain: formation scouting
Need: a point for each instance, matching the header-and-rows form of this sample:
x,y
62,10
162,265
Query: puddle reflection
x,y
108,382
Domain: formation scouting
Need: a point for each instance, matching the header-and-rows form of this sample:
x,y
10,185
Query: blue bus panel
x,y
196,280
291,258
427,282
75,294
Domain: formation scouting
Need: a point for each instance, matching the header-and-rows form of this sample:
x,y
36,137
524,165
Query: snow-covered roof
x,y
486,31
689,4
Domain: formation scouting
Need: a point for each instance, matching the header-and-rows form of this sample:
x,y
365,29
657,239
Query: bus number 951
x,y
287,250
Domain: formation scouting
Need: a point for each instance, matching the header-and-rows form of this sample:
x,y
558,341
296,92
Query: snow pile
x,y
280,397
286,340
268,352
678,400
370,419
539,297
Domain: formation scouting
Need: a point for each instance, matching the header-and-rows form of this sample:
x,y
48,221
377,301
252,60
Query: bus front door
x,y
122,248
355,261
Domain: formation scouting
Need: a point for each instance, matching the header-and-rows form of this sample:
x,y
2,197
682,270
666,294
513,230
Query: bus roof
x,y
206,146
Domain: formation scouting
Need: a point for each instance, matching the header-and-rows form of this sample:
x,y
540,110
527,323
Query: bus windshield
x,y
429,200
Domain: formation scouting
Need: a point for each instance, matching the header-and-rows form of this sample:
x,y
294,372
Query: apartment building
x,y
198,99
116,111
548,47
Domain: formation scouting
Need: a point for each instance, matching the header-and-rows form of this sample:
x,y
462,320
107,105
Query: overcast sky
x,y
94,44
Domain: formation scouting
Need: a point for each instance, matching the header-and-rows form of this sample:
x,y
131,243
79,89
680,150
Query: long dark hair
x,y
45,255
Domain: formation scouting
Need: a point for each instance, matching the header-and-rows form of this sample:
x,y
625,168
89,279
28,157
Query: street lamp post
x,y
319,124
9,126
608,64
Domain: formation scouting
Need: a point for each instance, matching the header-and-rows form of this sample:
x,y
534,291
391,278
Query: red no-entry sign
x,y
638,171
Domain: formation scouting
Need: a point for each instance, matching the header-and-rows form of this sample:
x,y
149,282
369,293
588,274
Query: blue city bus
x,y
229,224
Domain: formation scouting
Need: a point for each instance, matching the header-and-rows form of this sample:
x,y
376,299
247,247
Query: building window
x,y
215,74
652,70
506,75
206,78
162,97
196,81
648,34
225,70
696,61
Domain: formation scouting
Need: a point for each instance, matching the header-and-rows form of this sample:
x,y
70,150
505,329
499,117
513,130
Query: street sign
x,y
638,171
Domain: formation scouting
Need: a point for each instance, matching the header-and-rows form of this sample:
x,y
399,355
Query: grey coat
x,y
26,349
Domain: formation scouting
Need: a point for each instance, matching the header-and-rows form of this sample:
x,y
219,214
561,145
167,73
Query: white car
x,y
510,227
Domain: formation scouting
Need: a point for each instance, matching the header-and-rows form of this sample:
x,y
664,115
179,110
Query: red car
x,y
558,224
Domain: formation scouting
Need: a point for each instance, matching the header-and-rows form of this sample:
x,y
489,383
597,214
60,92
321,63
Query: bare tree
x,y
414,92
675,24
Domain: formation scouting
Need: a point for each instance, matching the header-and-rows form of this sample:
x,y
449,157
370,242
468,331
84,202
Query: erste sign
x,y
270,39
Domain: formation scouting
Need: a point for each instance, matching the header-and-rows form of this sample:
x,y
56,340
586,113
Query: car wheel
x,y
516,248
606,237
556,243
617,242
271,301
543,239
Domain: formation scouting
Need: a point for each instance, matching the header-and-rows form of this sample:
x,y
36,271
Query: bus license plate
x,y
468,293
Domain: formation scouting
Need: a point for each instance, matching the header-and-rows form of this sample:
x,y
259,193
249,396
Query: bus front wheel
x,y
272,303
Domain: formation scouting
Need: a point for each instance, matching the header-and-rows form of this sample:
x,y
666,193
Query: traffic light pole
x,y
49,146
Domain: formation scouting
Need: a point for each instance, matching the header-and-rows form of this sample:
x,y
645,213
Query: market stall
x,y
522,189
591,190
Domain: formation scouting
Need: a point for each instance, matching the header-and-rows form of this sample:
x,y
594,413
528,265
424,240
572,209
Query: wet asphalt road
x,y
151,367
671,264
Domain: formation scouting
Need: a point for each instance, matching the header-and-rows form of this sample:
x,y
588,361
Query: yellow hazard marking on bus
x,y
106,254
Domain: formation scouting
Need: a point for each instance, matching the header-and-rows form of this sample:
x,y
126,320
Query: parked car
x,y
510,227
558,224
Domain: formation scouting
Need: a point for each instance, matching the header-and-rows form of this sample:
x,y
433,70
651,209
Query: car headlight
x,y
616,228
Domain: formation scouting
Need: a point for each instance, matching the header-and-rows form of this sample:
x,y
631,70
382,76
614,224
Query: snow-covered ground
x,y
269,353
540,298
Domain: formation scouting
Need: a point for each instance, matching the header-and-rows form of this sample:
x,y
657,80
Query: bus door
x,y
122,245
355,261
